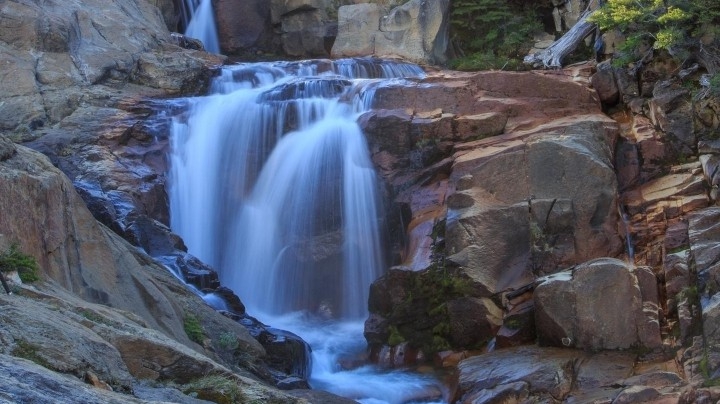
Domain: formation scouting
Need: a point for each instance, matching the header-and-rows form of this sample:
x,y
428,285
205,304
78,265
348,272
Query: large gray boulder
x,y
602,304
243,26
415,31
533,374
531,206
51,52
306,27
358,25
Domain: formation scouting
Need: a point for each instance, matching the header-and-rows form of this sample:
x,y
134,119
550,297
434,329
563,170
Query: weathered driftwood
x,y
555,53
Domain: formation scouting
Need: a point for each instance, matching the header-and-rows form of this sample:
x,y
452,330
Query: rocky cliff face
x,y
104,311
514,189
415,30
514,197
50,65
516,182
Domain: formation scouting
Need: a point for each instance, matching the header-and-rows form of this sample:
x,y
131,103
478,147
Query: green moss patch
x,y
193,329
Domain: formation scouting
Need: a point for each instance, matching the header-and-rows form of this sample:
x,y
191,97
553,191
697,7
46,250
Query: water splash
x,y
366,384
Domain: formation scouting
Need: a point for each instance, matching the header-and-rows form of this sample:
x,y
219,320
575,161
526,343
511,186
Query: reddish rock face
x,y
568,314
243,26
498,135
507,176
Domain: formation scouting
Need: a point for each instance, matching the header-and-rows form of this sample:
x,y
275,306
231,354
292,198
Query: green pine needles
x,y
492,34
14,260
669,25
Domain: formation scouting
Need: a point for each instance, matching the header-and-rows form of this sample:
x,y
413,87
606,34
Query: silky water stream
x,y
271,184
198,19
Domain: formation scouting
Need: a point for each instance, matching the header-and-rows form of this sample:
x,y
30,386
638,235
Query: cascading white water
x,y
271,184
199,21
295,229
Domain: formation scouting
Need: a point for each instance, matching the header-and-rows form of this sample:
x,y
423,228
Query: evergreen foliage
x,y
14,260
492,34
193,329
671,25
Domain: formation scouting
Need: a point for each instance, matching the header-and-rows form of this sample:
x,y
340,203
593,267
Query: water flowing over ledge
x,y
198,18
271,184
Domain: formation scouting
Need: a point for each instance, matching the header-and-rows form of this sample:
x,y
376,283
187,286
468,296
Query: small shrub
x,y
690,293
193,329
513,323
93,316
704,367
14,260
439,344
228,341
215,388
395,337
714,87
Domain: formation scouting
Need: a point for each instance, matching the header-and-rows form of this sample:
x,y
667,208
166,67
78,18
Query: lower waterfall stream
x,y
271,183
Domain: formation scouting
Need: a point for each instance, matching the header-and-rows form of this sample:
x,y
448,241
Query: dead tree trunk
x,y
554,55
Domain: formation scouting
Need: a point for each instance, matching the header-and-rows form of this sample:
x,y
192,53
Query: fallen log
x,y
553,56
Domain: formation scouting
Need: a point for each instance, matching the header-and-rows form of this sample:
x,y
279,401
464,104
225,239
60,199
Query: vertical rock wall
x,y
416,31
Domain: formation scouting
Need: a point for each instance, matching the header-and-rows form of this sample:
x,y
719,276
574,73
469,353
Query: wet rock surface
x,y
563,375
539,374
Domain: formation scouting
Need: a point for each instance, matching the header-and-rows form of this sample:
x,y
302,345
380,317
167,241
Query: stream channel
x,y
271,184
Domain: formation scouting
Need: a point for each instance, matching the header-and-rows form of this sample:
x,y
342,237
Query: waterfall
x,y
198,18
271,183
